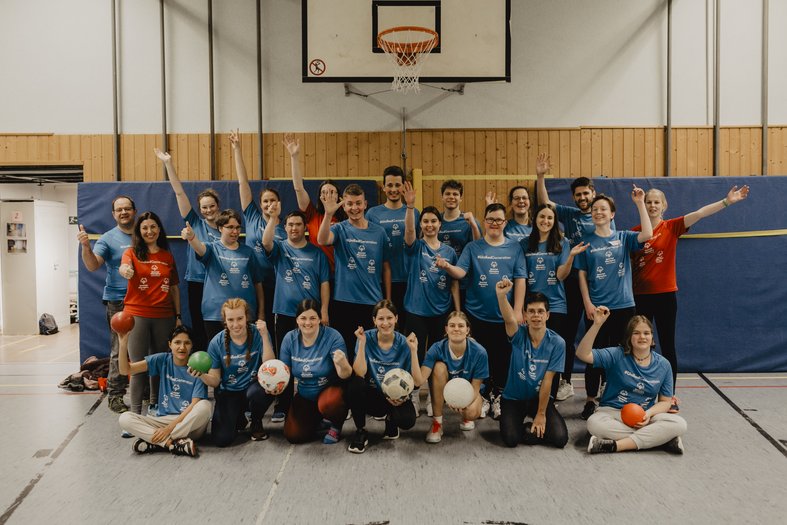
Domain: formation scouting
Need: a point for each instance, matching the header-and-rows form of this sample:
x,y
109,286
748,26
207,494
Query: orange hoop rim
x,y
421,46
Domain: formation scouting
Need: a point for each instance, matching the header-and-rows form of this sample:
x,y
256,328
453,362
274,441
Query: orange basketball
x,y
632,413
122,322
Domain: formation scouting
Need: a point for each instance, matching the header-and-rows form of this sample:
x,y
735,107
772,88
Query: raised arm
x,y
92,261
243,180
124,366
453,271
543,165
269,233
520,287
341,364
733,196
415,367
585,347
638,196
409,216
582,278
267,346
187,234
501,290
468,216
325,235
564,269
184,205
359,365
293,146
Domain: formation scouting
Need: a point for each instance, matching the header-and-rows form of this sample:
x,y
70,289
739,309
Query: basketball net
x,y
407,48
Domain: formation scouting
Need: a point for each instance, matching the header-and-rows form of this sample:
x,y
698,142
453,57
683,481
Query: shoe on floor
x,y
466,425
429,411
674,408
332,436
391,430
485,406
379,418
184,447
435,435
141,446
278,416
258,432
528,438
496,407
125,434
349,415
117,405
674,446
360,442
564,390
153,410
415,397
588,410
596,445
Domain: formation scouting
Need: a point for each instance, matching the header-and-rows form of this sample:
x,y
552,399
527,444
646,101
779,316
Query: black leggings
x,y
198,337
231,406
428,330
611,334
512,429
365,399
576,311
559,323
398,290
493,337
663,307
346,318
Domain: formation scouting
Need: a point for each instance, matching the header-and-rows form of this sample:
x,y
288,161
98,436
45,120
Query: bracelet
x,y
724,202
410,207
177,316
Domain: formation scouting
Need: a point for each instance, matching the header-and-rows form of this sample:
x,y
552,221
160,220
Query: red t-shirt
x,y
313,221
653,267
148,290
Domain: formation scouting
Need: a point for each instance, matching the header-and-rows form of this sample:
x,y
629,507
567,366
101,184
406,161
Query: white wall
x,y
574,63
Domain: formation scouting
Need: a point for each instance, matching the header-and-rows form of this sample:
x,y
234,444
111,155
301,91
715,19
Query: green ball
x,y
200,361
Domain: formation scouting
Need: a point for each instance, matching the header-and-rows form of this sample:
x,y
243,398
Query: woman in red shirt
x,y
152,297
654,278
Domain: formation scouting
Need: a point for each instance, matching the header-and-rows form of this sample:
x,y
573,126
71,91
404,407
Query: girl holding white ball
x,y
461,359
377,352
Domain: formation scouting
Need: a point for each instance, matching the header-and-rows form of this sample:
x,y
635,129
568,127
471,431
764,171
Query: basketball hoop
x,y
407,48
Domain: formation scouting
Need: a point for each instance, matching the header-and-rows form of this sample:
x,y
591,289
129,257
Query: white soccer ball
x,y
459,393
397,384
273,376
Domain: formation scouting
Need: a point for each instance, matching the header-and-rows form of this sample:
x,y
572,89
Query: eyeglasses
x,y
520,198
231,227
496,222
121,210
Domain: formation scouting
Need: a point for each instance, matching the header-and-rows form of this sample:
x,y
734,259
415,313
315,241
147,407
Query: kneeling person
x,y
183,406
458,355
538,353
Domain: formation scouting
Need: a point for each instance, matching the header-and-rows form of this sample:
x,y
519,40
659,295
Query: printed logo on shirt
x,y
442,282
175,391
351,265
143,284
224,281
522,375
493,270
306,371
623,396
154,271
551,279
540,266
660,257
600,274
242,368
395,231
482,281
615,243
532,371
609,259
296,267
307,282
288,276
245,283
165,285
231,379
371,267
361,252
234,267
531,278
621,270
640,388
423,278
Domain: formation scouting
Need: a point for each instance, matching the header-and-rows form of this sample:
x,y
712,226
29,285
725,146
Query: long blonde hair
x,y
234,304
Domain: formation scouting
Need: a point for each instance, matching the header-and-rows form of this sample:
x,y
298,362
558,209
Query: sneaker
x,y
429,411
258,432
435,435
126,434
674,446
332,437
596,445
496,408
528,438
379,418
391,430
152,410
242,423
349,415
141,446
564,390
589,410
359,442
117,405
415,397
325,424
278,416
601,389
674,408
485,406
184,447
466,425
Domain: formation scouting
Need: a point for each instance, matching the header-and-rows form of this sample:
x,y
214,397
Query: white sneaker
x,y
415,397
496,408
435,435
485,406
429,404
466,425
564,390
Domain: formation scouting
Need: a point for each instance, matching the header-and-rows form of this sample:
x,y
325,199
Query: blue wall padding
x,y
732,299
95,214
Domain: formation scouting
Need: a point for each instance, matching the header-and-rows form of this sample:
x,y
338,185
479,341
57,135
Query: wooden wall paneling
x,y
745,153
679,152
659,137
512,153
428,154
373,165
108,157
692,152
395,141
755,151
576,155
330,157
639,152
522,151
606,164
85,153
320,155
352,155
498,138
308,147
776,151
704,153
554,153
342,161
190,158
564,162
151,161
649,149
734,152
724,152
251,157
595,152
204,156
628,152
585,169
531,145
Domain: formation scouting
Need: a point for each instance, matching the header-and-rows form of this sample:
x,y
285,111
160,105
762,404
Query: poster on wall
x,y
16,229
17,245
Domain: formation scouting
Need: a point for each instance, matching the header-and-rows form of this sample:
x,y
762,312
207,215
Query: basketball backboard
x,y
340,39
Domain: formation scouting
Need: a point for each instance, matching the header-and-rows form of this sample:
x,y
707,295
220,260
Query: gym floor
x,y
65,462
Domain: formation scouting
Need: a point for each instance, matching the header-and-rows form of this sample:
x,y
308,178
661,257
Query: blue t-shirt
x,y
195,272
542,273
529,365
474,363
428,287
485,266
176,387
299,274
358,256
392,222
379,361
576,224
457,233
516,231
312,365
255,225
230,273
628,382
241,372
110,247
607,262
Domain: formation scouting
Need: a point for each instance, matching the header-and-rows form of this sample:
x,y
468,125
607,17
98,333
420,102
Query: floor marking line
x,y
61,356
272,491
36,347
745,416
15,342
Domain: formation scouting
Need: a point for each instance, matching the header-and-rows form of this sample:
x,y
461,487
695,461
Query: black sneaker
x,y
184,447
257,432
528,438
359,442
674,446
597,445
391,430
141,446
242,423
589,410
117,405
